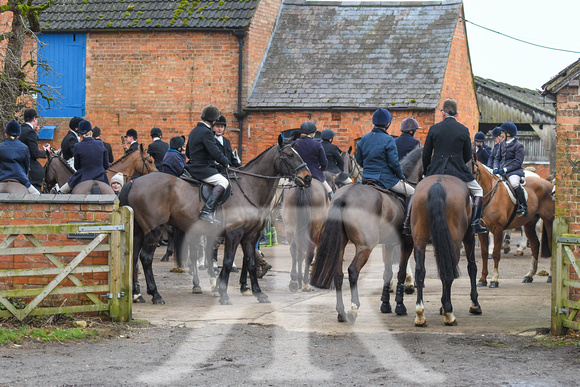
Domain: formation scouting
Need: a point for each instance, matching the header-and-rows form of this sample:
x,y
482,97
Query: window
x,y
66,54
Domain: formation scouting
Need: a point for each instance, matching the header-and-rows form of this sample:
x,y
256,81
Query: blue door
x,y
66,54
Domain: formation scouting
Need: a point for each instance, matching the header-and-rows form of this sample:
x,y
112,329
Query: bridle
x,y
487,198
145,167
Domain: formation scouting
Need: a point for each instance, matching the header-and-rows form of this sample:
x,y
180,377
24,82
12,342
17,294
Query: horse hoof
x,y
245,291
549,280
158,301
409,289
196,290
505,251
293,286
386,308
451,323
401,310
139,300
263,299
482,283
494,284
420,322
341,317
528,280
306,288
518,253
351,317
225,301
475,309
165,258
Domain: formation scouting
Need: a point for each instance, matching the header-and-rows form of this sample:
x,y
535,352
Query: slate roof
x,y
357,55
500,102
85,15
558,81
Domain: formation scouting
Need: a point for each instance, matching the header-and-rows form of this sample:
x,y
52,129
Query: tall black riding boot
x,y
407,222
208,212
476,216
522,205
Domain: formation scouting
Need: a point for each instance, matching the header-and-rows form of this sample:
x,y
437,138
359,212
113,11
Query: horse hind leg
x,y
146,257
137,244
420,320
530,231
354,269
387,277
469,245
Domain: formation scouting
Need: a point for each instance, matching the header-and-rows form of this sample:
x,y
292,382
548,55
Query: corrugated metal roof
x,y
357,55
85,15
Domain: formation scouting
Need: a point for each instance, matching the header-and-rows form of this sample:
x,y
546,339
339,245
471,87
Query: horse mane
x,y
64,162
257,157
123,157
410,160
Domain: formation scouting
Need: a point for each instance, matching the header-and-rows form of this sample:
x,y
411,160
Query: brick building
x,y
268,65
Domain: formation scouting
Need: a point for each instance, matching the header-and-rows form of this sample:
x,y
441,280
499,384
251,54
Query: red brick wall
x,y
459,84
37,211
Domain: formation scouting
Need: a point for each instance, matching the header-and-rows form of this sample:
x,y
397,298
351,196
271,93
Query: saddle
x,y
205,188
512,193
376,185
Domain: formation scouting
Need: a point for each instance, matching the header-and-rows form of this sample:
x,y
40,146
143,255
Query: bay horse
x,y
365,216
498,211
304,213
445,220
12,186
94,187
164,198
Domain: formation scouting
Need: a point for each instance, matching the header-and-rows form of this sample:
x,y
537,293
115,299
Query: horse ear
x,y
349,149
280,141
141,147
474,155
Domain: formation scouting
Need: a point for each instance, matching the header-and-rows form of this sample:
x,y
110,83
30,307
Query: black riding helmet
x,y
156,132
210,113
221,121
307,127
326,134
177,142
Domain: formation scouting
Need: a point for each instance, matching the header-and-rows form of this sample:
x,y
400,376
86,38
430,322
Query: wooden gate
x,y
64,276
565,283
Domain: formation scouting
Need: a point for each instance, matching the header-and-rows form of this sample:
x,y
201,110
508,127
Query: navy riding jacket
x,y
173,162
91,162
313,155
376,153
483,153
405,144
203,153
14,161
510,157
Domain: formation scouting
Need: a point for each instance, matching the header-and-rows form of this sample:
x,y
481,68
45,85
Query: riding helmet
x,y
131,132
409,124
210,113
221,121
13,128
479,136
307,127
510,128
326,134
85,127
382,117
74,122
156,132
177,142
496,132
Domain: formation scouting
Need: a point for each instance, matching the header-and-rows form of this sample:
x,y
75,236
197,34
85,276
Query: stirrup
x,y
209,217
477,228
521,211
406,229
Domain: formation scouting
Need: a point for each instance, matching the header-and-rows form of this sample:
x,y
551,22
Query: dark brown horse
x,y
497,214
12,186
56,171
94,187
304,213
445,219
164,198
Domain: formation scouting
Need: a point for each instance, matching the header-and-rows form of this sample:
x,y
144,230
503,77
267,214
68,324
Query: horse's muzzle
x,y
303,179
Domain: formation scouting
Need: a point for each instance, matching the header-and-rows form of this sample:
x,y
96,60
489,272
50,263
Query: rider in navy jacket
x,y
91,159
333,155
14,158
406,142
174,160
482,150
497,136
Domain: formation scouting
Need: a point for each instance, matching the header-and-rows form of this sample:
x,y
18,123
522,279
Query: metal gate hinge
x,y
118,227
119,295
561,310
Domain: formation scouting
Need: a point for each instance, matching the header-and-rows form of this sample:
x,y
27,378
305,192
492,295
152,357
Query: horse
x,y
56,171
304,214
12,186
253,188
365,216
351,168
445,219
499,215
93,187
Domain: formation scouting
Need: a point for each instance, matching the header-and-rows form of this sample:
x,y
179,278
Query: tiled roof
x,y
558,81
85,15
357,55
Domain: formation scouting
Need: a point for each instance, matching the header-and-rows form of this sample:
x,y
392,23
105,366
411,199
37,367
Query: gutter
x,y
240,114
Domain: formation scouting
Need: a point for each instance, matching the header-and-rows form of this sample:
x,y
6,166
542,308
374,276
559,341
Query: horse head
x,y
292,166
147,163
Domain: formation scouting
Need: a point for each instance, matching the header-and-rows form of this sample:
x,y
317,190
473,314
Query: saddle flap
x,y
206,189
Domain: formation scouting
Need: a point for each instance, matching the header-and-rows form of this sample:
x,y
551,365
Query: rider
x,y
174,160
67,145
497,136
508,161
91,159
203,154
406,142
482,150
313,154
157,148
29,138
130,144
376,153
223,143
335,161
447,151
14,158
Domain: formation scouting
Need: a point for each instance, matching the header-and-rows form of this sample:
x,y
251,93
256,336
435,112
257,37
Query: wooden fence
x,y
91,287
565,279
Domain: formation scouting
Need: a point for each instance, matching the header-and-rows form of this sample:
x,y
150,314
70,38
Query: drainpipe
x,y
239,114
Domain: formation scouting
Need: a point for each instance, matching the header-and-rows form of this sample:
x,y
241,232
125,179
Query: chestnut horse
x,y
497,215
304,213
164,198
443,218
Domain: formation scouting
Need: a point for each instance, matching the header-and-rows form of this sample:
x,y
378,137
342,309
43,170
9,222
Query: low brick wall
x,y
31,210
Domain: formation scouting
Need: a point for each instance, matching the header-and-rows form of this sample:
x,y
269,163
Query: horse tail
x,y
441,235
124,194
95,189
545,245
329,246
